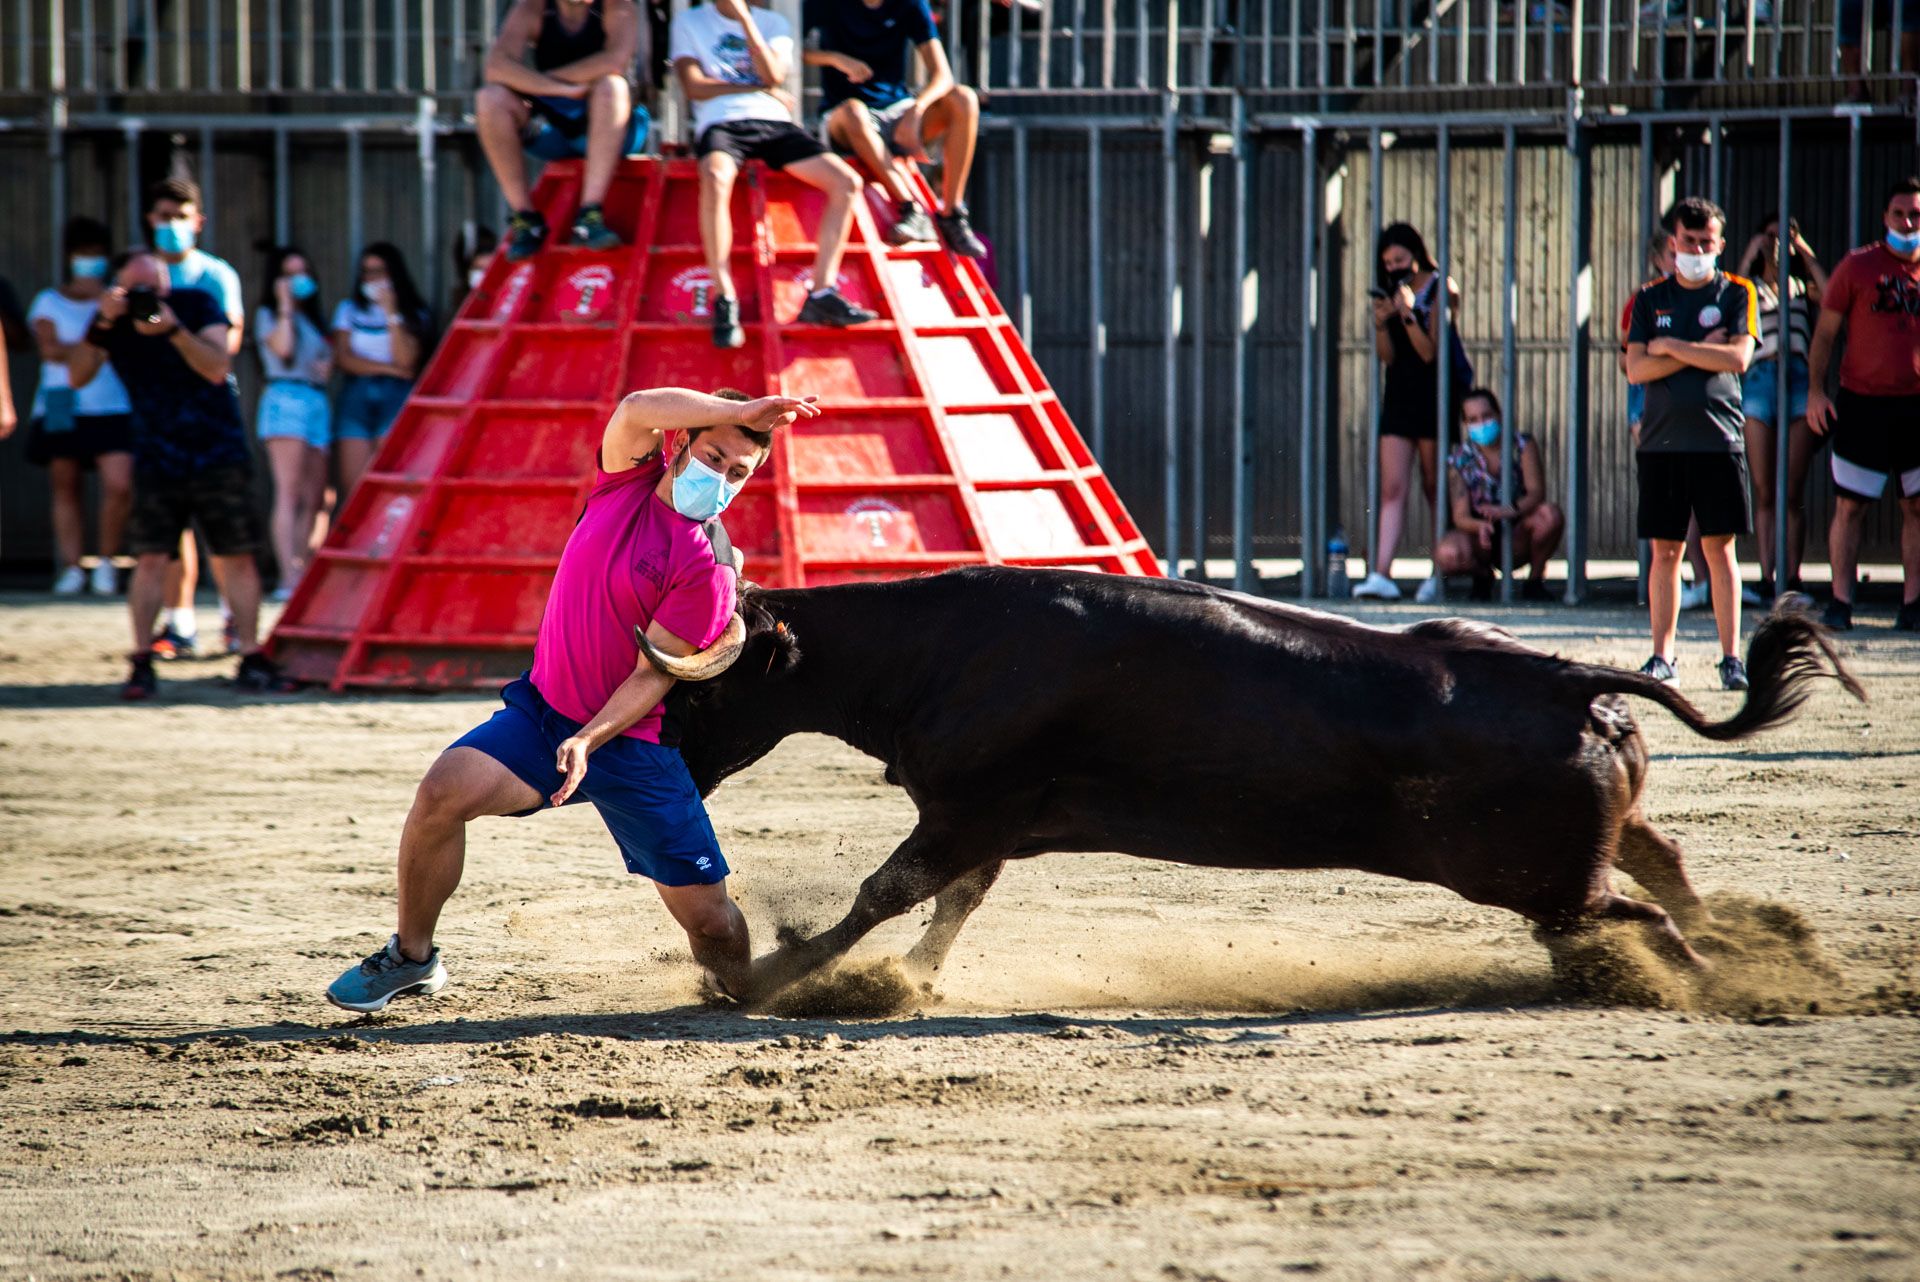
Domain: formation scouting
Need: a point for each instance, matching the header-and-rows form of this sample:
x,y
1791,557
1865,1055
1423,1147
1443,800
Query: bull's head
x,y
727,701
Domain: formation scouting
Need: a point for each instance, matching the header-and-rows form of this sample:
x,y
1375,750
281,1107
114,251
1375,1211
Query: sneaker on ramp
x,y
385,975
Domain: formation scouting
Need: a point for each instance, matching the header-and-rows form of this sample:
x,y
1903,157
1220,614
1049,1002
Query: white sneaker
x,y
71,581
1378,586
1696,596
1429,591
103,581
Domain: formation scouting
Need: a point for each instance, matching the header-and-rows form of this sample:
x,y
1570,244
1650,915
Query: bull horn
x,y
702,665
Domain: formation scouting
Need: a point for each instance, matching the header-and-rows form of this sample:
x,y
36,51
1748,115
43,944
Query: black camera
x,y
143,303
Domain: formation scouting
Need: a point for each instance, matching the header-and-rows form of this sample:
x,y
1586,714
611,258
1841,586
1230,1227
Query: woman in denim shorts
x,y
1760,388
379,343
295,419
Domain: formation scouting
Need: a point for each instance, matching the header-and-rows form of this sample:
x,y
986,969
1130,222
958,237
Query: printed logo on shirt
x,y
736,60
652,566
1709,316
1663,320
1896,295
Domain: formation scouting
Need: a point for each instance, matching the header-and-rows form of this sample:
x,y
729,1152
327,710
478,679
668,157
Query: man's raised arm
x,y
642,418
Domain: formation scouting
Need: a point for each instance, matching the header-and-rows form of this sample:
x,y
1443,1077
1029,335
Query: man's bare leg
x,y
836,178
463,784
500,118
240,577
851,126
956,118
609,109
716,932
1663,594
1843,544
717,172
1723,571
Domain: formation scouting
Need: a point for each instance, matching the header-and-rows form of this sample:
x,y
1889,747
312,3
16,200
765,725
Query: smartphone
x,y
143,303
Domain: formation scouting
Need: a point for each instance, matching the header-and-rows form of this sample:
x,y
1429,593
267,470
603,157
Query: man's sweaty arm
x,y
631,700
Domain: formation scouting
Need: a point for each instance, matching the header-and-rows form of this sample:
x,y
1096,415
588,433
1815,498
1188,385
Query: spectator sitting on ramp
x,y
559,84
586,722
869,112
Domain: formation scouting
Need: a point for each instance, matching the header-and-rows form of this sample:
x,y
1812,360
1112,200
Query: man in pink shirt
x,y
585,723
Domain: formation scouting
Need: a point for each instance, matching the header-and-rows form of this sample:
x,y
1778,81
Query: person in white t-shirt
x,y
731,59
74,431
176,217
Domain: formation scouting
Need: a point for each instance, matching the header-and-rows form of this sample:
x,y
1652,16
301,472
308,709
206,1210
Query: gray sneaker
x,y
385,975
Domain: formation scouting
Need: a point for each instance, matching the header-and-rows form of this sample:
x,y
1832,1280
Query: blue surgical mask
x,y
700,493
174,237
1903,242
88,267
302,286
1486,433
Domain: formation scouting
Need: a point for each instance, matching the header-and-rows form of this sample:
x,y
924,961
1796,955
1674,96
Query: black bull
x,y
1028,711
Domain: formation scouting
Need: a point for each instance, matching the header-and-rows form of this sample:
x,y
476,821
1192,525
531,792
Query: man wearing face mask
x,y
1874,294
176,219
1691,337
586,722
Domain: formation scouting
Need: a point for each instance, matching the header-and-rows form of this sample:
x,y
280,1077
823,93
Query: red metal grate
x,y
941,445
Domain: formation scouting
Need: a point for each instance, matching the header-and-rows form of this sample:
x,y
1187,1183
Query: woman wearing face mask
x,y
379,342
1759,388
74,430
295,418
1473,491
1406,329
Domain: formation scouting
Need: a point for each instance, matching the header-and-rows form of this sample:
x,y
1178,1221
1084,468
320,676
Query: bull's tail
x,y
1788,653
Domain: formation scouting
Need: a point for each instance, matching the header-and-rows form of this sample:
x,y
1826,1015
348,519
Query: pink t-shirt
x,y
632,560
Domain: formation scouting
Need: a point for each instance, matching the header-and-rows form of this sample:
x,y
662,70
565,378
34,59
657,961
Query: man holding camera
x,y
191,460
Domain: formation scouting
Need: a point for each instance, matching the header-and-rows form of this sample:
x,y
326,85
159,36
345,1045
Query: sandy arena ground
x,y
1129,1070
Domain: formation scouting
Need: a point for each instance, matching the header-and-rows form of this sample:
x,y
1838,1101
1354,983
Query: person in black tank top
x,y
560,80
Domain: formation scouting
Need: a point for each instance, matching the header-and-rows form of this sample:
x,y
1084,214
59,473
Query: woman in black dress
x,y
1406,333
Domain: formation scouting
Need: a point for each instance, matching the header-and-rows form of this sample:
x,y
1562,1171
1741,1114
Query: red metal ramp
x,y
940,445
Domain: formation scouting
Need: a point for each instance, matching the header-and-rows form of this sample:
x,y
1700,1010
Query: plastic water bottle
x,y
1337,585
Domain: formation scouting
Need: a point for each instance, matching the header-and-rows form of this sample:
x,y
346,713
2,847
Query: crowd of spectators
x,y
1701,348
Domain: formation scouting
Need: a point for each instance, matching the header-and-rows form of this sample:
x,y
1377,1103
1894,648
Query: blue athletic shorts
x,y
558,130
642,790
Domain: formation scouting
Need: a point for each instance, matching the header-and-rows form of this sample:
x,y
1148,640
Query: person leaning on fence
x,y
294,418
1874,294
1406,333
73,431
559,85
191,460
1473,494
731,58
1691,338
868,110
1760,389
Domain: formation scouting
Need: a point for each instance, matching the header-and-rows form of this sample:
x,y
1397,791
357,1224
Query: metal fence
x,y
1185,225
361,47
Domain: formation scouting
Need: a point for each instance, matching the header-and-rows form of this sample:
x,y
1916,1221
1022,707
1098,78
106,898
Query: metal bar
x,y
398,13
56,52
1170,350
367,34
181,75
1043,56
1853,180
1720,38
1579,306
1293,45
1782,360
150,61
1013,46
429,49
1490,68
1110,26
282,188
356,195
1197,385
1463,41
1310,549
1779,16
275,52
1171,81
23,50
1606,39
136,214
1379,39
1443,346
303,65
1376,154
213,44
1266,44
1022,266
57,188
1141,43
90,47
1509,317
1243,317
209,181
1715,147
243,47
1320,48
1433,43
1078,57
1647,200
337,34
429,204
1096,313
